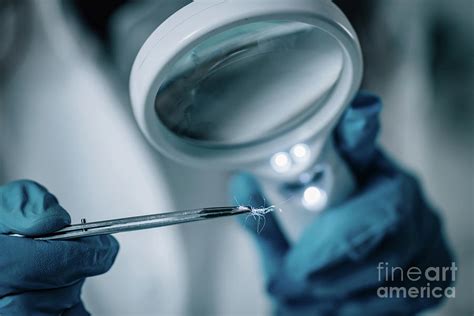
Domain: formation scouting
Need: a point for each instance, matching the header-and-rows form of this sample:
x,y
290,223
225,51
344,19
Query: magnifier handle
x,y
333,181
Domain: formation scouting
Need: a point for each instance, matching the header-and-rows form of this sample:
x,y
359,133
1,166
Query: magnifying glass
x,y
254,85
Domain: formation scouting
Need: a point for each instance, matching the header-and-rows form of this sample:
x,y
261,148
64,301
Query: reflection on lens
x,y
248,83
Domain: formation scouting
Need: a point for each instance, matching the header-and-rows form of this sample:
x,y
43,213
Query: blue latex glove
x,y
44,277
332,268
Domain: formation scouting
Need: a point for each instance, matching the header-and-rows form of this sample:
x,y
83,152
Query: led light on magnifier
x,y
314,199
281,162
300,152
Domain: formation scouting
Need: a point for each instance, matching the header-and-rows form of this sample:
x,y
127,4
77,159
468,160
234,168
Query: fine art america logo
x,y
416,282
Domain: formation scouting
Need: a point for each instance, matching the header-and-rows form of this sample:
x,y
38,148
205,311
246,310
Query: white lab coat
x,y
65,124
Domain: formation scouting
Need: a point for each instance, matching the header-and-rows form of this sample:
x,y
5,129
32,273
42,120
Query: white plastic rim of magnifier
x,y
205,18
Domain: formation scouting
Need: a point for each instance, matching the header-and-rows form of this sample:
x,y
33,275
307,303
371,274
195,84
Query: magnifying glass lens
x,y
249,83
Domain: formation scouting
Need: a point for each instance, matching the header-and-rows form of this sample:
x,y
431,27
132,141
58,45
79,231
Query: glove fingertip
x,y
27,208
360,123
96,254
56,219
367,100
109,247
114,246
357,131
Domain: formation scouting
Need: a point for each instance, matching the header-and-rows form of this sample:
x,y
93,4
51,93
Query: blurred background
x,y
65,121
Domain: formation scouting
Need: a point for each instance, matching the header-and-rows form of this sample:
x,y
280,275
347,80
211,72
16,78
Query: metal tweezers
x,y
142,222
